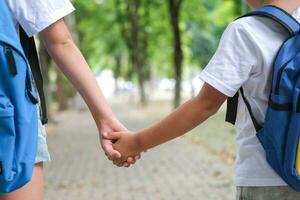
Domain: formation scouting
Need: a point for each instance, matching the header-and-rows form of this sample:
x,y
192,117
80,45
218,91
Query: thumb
x,y
112,135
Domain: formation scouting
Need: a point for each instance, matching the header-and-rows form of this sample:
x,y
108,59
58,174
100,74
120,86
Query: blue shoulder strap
x,y
279,15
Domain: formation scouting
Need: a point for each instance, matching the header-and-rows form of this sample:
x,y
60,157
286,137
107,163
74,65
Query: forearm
x,y
71,62
74,66
182,120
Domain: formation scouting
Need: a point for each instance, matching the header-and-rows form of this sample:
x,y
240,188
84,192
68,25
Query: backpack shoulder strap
x,y
232,106
291,25
30,51
279,15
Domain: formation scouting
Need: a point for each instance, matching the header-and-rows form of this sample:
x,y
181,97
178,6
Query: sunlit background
x,y
147,56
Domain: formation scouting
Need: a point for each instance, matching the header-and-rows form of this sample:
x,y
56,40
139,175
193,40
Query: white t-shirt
x,y
35,15
244,58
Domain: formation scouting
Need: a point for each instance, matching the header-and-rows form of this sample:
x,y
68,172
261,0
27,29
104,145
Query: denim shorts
x,y
267,193
42,154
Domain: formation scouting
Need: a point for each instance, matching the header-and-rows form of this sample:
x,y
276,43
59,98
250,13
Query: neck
x,y
288,5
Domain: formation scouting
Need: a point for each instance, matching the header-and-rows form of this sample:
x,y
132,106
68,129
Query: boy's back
x,y
245,59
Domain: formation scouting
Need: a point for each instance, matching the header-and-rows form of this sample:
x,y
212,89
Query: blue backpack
x,y
279,135
18,109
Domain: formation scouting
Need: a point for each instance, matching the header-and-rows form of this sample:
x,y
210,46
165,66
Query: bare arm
x,y
67,56
69,59
183,119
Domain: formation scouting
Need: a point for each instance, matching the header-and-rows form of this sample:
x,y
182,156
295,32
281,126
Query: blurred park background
x,y
147,56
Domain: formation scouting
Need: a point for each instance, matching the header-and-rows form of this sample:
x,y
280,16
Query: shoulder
x,y
254,30
240,29
238,32
249,25
256,25
35,15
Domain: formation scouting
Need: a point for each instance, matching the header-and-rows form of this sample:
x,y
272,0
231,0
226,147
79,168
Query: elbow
x,y
63,42
57,46
211,110
208,108
57,35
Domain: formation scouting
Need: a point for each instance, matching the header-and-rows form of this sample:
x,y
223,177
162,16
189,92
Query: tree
x,y
174,11
129,36
136,39
61,91
133,9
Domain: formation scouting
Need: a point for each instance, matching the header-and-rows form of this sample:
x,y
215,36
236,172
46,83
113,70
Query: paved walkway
x,y
178,170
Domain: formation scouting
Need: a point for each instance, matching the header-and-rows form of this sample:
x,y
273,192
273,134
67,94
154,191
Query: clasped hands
x,y
119,144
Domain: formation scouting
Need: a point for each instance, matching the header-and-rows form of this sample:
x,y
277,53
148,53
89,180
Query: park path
x,y
179,170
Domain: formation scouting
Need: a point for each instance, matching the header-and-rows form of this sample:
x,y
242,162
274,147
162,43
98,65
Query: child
x,y
244,58
46,17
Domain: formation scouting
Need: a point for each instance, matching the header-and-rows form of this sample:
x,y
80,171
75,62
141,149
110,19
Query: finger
x,y
125,164
116,163
137,157
108,157
104,134
120,164
110,151
114,155
129,160
133,162
113,135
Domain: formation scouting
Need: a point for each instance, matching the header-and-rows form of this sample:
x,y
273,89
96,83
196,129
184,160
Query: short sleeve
x,y
35,15
232,63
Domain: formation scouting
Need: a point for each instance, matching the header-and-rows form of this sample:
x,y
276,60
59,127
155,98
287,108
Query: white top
x,y
244,59
35,15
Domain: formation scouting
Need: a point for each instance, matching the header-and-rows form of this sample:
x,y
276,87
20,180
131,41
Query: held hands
x,y
108,136
127,145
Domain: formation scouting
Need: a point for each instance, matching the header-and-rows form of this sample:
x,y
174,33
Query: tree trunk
x,y
145,40
117,71
174,10
129,21
60,91
136,50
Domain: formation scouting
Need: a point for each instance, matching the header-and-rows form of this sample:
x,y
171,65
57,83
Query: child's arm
x,y
182,120
69,59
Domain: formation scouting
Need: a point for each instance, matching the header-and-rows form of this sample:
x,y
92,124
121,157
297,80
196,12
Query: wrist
x,y
104,120
138,138
102,114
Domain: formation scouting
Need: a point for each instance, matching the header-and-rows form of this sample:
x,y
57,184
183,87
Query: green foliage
x,y
99,36
102,39
205,30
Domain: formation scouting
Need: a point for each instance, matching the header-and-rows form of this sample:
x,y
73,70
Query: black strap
x,y
255,123
232,105
30,51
